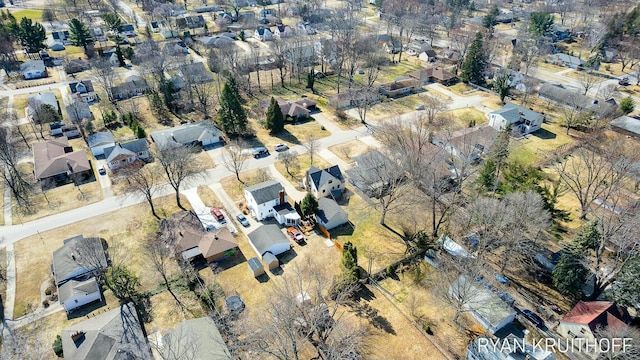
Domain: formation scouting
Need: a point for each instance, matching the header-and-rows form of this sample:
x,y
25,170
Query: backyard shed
x,y
255,266
271,260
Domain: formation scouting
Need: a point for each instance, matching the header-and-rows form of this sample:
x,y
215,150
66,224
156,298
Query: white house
x,y
85,89
100,141
325,182
521,119
330,215
126,153
428,56
202,133
33,69
269,239
74,294
261,198
485,306
35,101
263,34
283,31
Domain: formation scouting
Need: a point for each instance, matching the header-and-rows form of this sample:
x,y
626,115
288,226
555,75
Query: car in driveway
x,y
218,215
102,170
280,147
259,152
533,317
243,220
295,234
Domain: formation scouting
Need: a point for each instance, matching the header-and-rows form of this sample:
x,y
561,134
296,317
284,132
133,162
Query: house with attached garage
x,y
85,89
521,119
33,69
268,199
100,141
329,214
55,160
325,182
125,153
269,239
114,335
399,87
133,85
202,133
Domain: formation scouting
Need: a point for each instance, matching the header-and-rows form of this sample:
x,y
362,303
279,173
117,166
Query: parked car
x,y
533,317
259,152
218,215
280,147
243,220
624,81
102,170
420,107
295,234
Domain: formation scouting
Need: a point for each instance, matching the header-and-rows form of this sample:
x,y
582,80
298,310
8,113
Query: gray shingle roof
x,y
32,65
99,138
203,131
195,339
567,97
254,264
321,177
513,112
627,123
128,148
266,191
114,335
78,256
265,236
73,287
328,209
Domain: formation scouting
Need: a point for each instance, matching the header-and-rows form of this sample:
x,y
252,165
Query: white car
x,y
280,147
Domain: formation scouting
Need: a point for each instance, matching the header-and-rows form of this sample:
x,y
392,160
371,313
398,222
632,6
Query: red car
x,y
218,215
295,234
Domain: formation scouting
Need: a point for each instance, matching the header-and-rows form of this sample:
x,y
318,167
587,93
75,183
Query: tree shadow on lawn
x,y
285,135
544,134
364,310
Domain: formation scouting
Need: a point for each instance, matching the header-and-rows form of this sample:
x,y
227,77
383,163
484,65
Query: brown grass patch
x,y
123,229
304,163
208,197
350,149
235,190
465,116
291,135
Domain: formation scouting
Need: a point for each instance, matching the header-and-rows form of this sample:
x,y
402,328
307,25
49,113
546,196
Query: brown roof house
x,y
433,74
184,233
55,160
297,110
584,320
399,87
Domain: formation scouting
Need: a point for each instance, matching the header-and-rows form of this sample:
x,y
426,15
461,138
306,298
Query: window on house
x,y
583,331
324,191
330,181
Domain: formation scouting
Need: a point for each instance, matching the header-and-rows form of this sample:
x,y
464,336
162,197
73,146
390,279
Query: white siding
x,y
77,301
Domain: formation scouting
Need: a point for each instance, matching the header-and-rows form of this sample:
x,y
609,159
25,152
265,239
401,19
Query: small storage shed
x,y
271,260
255,266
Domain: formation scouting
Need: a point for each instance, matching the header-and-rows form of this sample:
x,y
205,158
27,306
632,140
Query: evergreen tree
x,y
475,62
120,56
122,282
231,116
588,237
79,34
627,105
491,19
309,205
275,120
31,35
311,80
486,178
540,23
140,133
501,86
113,22
570,274
626,289
350,270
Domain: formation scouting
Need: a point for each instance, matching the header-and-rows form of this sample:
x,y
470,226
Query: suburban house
x,y
351,97
54,160
520,118
113,335
185,236
36,101
450,56
263,34
100,141
268,199
283,31
509,348
269,239
216,41
85,89
133,85
70,131
419,46
433,74
78,110
78,258
428,56
626,125
33,69
584,320
126,153
363,175
295,109
610,54
74,294
399,87
330,215
547,258
306,28
570,98
190,22
566,60
206,8
194,73
127,30
472,143
485,306
325,182
98,34
195,339
73,66
202,133
392,46
61,36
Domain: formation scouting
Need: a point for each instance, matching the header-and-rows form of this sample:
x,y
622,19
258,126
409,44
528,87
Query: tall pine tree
x,y
475,62
232,117
275,120
79,34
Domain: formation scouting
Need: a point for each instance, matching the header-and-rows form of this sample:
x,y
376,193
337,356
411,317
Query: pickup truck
x,y
295,234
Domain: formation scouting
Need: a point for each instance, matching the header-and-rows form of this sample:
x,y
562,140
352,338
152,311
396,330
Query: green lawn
x,y
29,14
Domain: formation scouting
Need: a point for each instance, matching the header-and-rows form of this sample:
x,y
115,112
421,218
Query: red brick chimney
x,y
281,197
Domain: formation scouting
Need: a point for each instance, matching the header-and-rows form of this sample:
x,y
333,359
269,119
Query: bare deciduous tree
x,y
142,181
234,160
179,163
290,161
587,80
619,347
13,176
159,255
433,106
311,144
104,75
